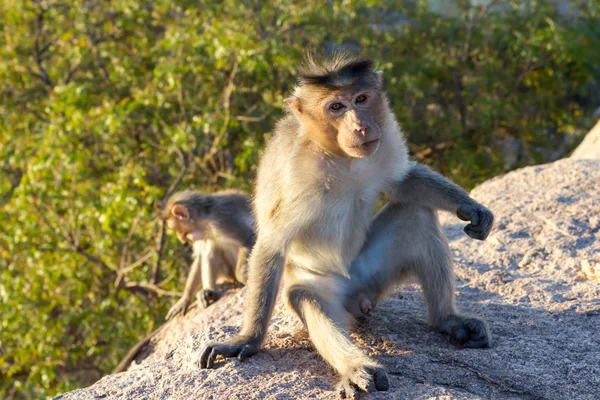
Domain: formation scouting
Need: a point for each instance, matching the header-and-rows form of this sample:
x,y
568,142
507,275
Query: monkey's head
x,y
188,213
341,104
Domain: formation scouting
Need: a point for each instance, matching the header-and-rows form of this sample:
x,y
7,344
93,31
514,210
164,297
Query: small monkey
x,y
322,173
220,229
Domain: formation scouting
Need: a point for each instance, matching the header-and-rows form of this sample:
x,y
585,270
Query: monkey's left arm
x,y
422,186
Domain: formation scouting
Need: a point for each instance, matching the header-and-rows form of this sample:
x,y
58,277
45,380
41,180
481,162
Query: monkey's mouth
x,y
366,145
369,147
369,143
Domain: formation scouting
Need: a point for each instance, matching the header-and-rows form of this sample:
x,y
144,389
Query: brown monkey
x,y
220,229
319,180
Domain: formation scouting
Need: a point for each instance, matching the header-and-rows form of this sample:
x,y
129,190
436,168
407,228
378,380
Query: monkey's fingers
x,y
479,232
169,315
173,312
467,213
475,232
481,219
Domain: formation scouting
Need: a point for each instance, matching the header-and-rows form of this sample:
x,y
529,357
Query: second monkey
x,y
220,228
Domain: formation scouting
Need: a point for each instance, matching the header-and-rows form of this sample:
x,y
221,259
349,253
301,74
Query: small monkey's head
x,y
188,213
341,104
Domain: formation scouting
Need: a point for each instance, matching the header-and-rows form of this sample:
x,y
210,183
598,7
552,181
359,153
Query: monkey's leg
x,y
325,319
211,262
408,240
241,267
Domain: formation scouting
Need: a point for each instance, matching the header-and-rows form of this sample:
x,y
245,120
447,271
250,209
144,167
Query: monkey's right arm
x,y
266,266
191,286
427,188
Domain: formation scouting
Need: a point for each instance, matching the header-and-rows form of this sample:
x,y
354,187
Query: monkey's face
x,y
344,122
185,228
350,116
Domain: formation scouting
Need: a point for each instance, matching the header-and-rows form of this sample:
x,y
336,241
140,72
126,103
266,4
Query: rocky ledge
x,y
536,279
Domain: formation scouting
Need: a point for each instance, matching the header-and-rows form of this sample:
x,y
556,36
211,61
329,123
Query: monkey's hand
x,y
242,347
206,297
179,307
480,217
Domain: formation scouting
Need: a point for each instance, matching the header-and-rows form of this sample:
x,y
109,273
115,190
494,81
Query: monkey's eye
x,y
336,106
361,99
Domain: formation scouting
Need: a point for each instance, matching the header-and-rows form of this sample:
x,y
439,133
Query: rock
x,y
526,279
589,148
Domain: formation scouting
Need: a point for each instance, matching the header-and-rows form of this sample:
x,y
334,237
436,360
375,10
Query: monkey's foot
x,y
178,308
365,379
468,331
206,297
241,347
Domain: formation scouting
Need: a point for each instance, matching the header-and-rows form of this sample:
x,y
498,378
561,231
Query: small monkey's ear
x,y
180,212
379,75
294,103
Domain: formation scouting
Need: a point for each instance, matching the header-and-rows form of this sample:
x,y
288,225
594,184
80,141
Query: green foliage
x,y
104,105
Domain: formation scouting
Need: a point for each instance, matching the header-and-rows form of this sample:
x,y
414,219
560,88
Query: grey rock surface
x,y
534,279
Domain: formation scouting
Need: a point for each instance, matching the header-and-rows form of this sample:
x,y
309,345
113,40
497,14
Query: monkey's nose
x,y
362,129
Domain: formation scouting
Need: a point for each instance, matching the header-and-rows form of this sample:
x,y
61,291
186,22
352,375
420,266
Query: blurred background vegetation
x,y
105,105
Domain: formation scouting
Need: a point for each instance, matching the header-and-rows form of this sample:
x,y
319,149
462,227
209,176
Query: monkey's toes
x,y
470,332
212,350
479,334
346,390
366,379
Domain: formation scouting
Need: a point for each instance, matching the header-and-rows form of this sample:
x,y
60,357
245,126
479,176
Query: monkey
x,y
220,228
337,151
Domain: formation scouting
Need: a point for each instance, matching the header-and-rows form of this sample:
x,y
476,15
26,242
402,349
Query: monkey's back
x,y
233,216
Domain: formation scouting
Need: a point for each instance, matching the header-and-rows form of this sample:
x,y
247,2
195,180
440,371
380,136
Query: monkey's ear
x,y
180,212
379,75
294,103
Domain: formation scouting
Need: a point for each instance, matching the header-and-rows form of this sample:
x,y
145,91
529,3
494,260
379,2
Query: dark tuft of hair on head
x,y
338,70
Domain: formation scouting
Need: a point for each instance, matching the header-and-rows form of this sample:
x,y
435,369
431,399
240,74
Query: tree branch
x,y
147,288
38,52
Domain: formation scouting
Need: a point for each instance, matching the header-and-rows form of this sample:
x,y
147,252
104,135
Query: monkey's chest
x,y
334,239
